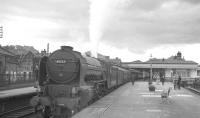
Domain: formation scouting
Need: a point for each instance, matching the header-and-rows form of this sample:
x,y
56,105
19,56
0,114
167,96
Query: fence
x,y
14,79
192,82
196,83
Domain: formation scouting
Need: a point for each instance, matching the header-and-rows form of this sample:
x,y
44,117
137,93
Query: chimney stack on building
x,y
179,55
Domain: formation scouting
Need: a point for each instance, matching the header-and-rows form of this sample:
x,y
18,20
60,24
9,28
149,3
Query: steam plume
x,y
101,11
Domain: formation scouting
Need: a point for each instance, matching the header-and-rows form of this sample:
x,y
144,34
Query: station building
x,y
8,61
16,68
171,68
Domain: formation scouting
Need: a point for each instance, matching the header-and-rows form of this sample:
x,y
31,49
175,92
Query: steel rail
x,y
193,90
18,112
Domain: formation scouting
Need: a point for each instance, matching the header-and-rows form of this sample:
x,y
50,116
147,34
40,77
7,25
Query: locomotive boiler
x,y
70,81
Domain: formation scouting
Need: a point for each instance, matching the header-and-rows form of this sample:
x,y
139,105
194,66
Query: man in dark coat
x,y
162,79
132,80
179,82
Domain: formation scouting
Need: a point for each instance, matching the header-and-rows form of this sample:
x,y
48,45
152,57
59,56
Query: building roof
x,y
172,62
22,57
162,61
169,61
3,51
177,59
137,61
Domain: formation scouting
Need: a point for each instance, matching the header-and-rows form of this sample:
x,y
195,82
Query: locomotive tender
x,y
70,81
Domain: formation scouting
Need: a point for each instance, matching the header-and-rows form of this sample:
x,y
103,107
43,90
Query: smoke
x,y
101,13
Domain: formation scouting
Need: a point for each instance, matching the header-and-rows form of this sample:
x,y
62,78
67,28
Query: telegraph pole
x,y
1,31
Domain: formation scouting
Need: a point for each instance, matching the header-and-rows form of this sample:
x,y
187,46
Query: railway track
x,y
193,90
20,112
16,103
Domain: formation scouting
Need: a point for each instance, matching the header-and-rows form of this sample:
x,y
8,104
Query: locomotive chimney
x,y
67,48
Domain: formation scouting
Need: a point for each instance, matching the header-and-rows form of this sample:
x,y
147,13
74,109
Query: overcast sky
x,y
129,29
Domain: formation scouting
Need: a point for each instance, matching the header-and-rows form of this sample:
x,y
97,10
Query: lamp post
x,y
150,79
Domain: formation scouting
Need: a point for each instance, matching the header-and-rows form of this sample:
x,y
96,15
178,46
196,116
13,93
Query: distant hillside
x,y
18,50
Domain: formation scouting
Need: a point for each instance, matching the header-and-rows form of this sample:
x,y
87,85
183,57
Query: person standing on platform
x,y
162,79
179,82
132,80
175,83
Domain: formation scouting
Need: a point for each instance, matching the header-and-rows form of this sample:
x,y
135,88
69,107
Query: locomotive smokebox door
x,y
63,65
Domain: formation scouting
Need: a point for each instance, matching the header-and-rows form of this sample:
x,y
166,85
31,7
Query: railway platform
x,y
17,92
15,103
16,86
138,102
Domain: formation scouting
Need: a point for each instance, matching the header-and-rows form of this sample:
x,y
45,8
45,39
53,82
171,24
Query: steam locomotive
x,y
70,81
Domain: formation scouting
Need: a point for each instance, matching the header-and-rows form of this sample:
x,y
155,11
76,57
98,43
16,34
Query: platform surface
x,y
137,102
16,92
